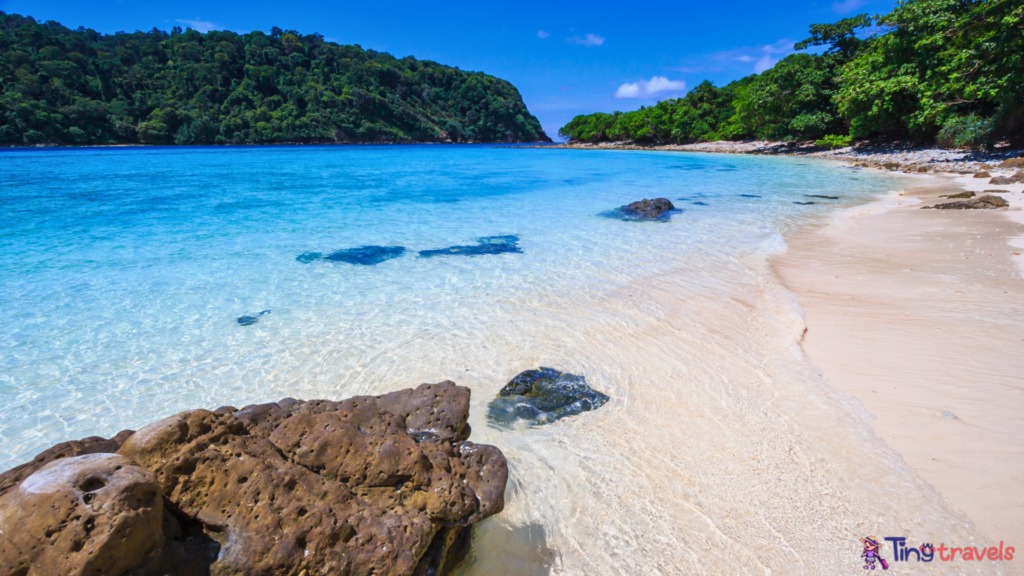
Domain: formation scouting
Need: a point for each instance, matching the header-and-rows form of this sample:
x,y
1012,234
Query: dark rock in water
x,y
700,203
749,195
370,485
366,255
486,245
543,396
987,202
646,209
307,257
250,320
820,196
960,195
363,255
805,203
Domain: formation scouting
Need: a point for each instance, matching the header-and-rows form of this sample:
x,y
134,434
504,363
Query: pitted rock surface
x,y
370,485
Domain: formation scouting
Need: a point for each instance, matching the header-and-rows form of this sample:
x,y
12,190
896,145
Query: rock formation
x,y
1007,180
381,485
543,396
647,209
987,202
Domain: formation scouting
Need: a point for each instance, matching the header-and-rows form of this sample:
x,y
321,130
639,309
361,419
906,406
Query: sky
x,y
566,58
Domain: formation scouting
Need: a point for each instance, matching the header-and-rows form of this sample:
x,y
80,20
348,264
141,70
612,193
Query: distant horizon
x,y
564,62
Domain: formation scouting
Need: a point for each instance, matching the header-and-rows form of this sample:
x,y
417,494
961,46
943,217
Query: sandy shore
x,y
919,315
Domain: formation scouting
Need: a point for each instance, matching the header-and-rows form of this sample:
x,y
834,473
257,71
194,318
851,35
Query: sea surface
x,y
125,271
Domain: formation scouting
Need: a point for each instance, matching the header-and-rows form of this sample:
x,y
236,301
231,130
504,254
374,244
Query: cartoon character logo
x,y
870,554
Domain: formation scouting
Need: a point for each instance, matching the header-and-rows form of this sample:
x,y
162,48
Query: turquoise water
x,y
721,449
124,271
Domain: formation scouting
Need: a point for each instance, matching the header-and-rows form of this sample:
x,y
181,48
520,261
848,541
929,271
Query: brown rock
x,y
982,175
987,202
1006,180
370,485
1012,163
961,195
90,445
91,514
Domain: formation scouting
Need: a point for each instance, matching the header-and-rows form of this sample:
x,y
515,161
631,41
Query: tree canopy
x,y
59,85
951,70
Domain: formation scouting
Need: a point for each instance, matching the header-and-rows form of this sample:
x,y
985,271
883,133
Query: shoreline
x,y
918,316
889,157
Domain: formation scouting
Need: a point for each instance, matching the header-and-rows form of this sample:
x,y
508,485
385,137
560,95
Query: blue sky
x,y
565,58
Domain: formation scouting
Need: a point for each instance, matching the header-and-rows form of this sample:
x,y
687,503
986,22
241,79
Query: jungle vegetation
x,y
64,86
950,71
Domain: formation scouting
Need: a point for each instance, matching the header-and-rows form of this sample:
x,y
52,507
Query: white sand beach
x,y
919,315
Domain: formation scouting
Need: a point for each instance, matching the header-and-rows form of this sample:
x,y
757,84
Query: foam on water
x,y
721,450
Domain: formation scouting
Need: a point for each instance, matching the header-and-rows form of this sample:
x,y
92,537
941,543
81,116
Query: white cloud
x,y
198,25
764,63
589,40
542,34
657,86
745,58
847,6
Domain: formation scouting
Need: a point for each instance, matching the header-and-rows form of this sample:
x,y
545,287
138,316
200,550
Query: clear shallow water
x,y
124,272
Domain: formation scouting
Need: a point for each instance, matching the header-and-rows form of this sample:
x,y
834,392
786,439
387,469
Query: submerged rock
x,y
805,203
250,320
698,203
749,196
543,396
363,255
820,196
646,209
987,202
484,246
370,485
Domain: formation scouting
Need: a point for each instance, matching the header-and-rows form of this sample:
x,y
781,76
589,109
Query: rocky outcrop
x,y
982,174
1012,163
383,485
987,202
960,195
647,209
543,396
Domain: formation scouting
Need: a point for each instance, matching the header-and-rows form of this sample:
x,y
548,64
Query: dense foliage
x,y
946,70
78,86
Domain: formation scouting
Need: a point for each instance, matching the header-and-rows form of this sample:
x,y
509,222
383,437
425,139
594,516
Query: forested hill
x,y
184,87
950,71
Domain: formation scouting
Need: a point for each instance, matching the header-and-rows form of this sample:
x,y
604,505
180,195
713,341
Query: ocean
x,y
141,282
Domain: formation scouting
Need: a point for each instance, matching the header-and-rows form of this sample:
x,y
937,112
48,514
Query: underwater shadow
x,y
500,548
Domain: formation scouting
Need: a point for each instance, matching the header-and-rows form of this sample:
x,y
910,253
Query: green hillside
x,y
946,71
65,86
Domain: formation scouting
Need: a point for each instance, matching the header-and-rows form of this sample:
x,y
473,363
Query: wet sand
x,y
919,315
